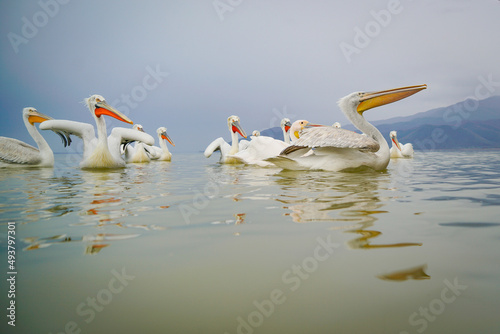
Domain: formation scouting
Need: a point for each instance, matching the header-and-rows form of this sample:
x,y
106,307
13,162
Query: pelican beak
x,y
237,128
288,125
309,125
167,138
103,108
396,142
37,117
376,99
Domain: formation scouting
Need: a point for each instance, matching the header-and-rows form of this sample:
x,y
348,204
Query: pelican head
x,y
286,124
256,133
98,107
298,126
233,122
355,104
162,133
31,115
394,138
138,127
337,125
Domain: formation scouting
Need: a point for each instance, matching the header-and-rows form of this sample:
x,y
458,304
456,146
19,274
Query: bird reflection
x,y
93,243
364,243
351,199
415,273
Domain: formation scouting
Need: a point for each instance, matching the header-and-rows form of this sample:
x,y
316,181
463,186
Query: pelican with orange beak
x,y
337,149
399,150
101,151
219,144
15,153
161,153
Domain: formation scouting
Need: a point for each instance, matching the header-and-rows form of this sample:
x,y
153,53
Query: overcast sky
x,y
188,65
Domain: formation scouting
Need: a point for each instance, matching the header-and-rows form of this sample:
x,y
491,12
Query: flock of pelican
x,y
102,151
311,146
304,146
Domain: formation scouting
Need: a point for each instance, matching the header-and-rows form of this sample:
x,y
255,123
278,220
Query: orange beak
x,y
102,108
376,99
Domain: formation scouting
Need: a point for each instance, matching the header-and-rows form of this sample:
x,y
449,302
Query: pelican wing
x,y
218,144
83,130
120,138
126,135
261,148
14,151
327,136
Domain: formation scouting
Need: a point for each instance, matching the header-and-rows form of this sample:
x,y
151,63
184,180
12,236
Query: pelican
x,y
161,153
219,144
256,133
138,153
100,151
264,147
339,149
399,150
337,125
285,127
15,153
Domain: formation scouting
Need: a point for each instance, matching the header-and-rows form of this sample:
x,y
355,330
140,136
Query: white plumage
x,y
219,144
100,151
136,153
15,153
337,149
399,150
263,147
161,153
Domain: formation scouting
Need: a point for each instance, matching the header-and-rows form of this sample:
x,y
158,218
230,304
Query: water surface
x,y
192,246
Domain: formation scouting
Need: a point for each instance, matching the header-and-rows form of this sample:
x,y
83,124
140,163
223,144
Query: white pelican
x,y
161,153
285,127
399,150
100,151
337,125
264,147
15,153
256,133
137,153
339,149
219,144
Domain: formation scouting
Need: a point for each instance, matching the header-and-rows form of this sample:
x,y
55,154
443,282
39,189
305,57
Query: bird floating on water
x,y
138,152
161,153
15,153
263,147
337,149
399,150
100,151
219,144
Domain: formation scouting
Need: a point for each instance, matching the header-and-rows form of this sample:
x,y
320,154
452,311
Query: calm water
x,y
195,247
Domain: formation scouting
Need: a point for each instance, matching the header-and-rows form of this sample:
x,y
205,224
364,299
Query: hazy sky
x,y
188,65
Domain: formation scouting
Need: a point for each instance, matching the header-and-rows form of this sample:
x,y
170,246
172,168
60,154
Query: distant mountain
x,y
467,124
